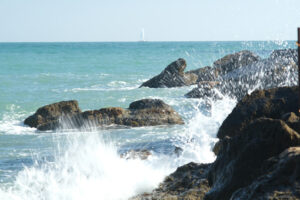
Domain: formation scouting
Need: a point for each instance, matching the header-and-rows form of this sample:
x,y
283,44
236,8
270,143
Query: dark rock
x,y
145,112
141,154
240,158
172,76
205,73
235,61
271,103
148,103
280,183
48,115
237,80
188,182
178,151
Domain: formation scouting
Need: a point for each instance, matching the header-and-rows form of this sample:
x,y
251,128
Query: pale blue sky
x,y
163,20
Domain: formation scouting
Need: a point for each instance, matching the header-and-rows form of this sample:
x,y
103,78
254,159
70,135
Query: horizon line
x,y
144,41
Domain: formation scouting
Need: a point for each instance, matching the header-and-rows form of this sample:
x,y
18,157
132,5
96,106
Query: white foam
x,y
88,169
11,122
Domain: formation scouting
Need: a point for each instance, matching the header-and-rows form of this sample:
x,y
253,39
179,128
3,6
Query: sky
x,y
162,20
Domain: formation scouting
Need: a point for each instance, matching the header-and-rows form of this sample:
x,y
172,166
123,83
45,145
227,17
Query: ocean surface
x,y
86,164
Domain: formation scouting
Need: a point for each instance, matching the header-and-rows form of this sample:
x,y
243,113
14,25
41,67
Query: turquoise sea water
x,y
85,164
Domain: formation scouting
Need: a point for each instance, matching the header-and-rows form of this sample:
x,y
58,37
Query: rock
x,y
237,80
145,112
141,154
178,151
271,103
172,76
48,115
240,158
282,182
204,74
205,89
235,61
188,182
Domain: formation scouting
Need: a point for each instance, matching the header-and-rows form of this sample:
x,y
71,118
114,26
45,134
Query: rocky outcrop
x,y
244,158
271,103
145,112
237,80
258,155
51,113
186,183
234,61
281,182
172,76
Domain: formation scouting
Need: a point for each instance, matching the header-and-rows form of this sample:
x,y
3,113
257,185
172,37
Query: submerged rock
x,y
141,154
172,76
145,112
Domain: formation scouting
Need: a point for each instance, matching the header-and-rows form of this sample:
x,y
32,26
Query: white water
x,y
87,165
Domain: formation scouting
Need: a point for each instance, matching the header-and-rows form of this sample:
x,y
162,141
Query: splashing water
x,y
86,163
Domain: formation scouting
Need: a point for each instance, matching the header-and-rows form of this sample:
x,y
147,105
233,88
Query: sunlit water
x,y
86,164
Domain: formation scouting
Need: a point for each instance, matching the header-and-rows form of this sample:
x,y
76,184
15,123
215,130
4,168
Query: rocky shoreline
x,y
260,160
258,152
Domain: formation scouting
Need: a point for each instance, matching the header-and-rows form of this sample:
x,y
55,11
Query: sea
x,y
86,164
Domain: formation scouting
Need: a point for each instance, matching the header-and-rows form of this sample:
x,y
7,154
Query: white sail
x,y
143,35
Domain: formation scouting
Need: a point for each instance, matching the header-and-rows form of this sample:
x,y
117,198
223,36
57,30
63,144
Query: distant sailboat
x,y
142,35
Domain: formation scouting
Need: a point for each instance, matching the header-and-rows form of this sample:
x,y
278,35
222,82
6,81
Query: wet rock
x,y
188,182
172,76
141,154
178,151
145,112
271,103
237,80
234,61
282,182
240,158
48,115
204,74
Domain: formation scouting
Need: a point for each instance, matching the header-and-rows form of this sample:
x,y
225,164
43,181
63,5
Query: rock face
x,y
50,114
241,159
258,155
272,103
172,76
238,78
282,182
234,61
145,112
186,183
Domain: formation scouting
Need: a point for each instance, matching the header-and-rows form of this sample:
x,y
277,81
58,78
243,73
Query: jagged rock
x,y
271,103
240,158
280,69
188,182
142,154
282,182
235,61
49,114
172,76
204,74
145,112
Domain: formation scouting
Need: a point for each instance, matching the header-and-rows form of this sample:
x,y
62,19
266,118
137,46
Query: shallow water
x,y
73,164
